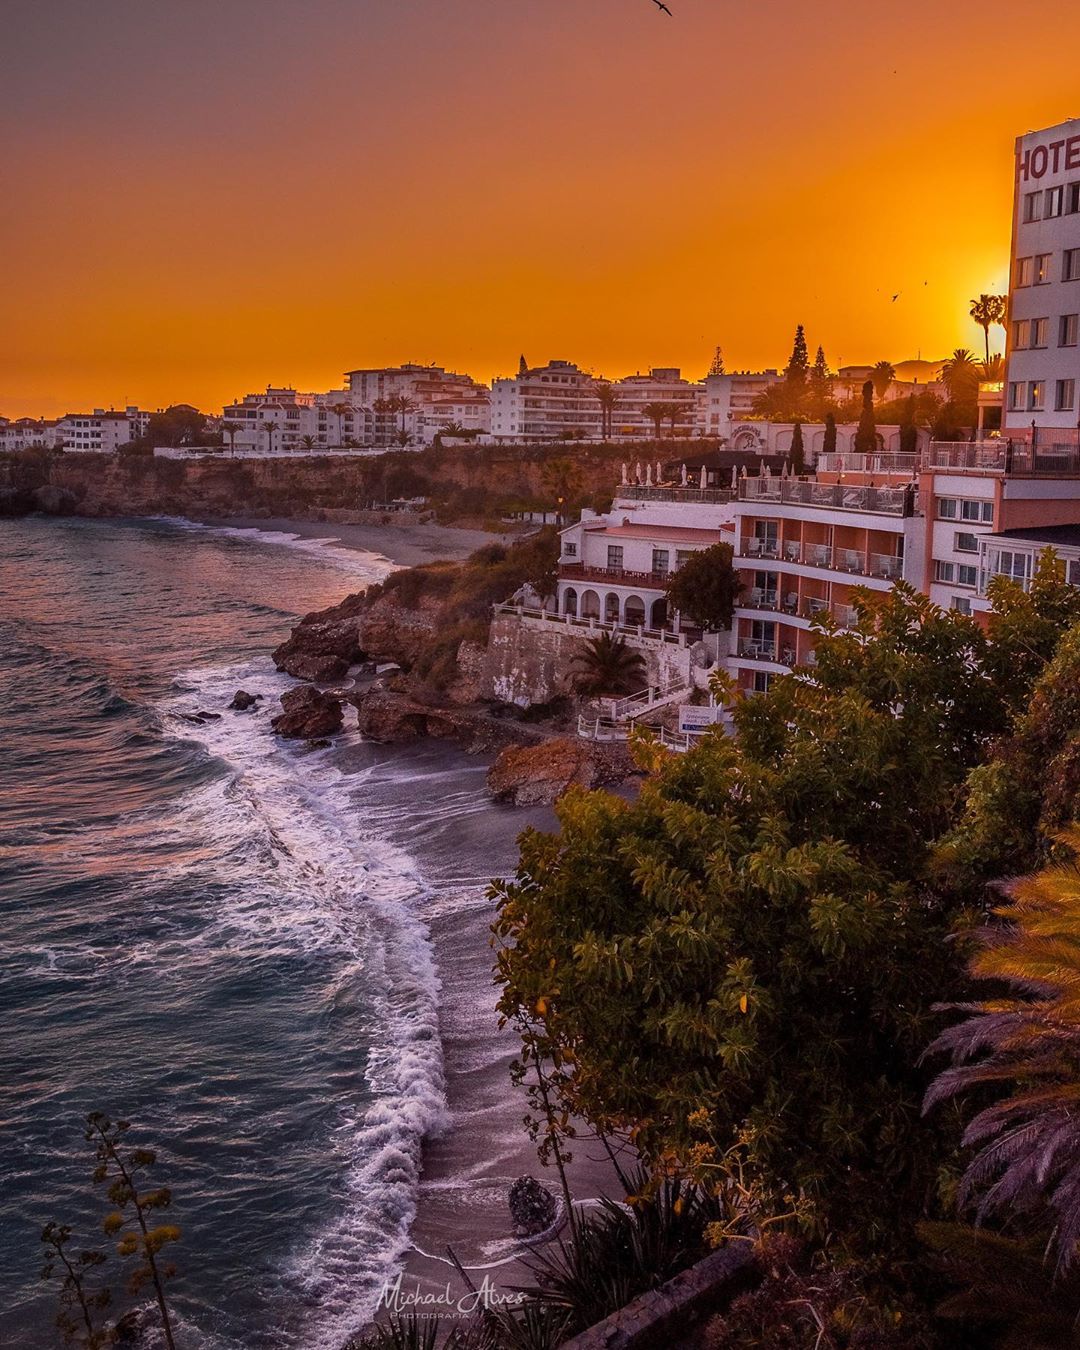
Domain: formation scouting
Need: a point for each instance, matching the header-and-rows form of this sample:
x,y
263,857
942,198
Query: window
x,y
1014,565
965,543
615,556
1054,203
961,603
570,549
966,574
1070,265
1016,396
1064,394
764,591
1021,334
981,511
947,507
1023,271
761,681
1040,330
683,556
1072,198
1036,395
660,560
944,571
1068,330
1042,268
1032,207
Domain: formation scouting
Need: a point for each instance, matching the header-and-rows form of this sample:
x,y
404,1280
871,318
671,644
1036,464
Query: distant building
x,y
545,403
24,433
730,398
1043,351
103,431
440,398
282,419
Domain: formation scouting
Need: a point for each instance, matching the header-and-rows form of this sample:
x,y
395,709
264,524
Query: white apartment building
x,y
23,433
545,403
439,397
103,431
284,420
1043,351
662,384
730,398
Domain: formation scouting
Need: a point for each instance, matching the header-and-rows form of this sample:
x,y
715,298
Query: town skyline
x,y
202,200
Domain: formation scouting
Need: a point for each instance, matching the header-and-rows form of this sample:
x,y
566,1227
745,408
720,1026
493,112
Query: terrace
x,y
891,501
1054,454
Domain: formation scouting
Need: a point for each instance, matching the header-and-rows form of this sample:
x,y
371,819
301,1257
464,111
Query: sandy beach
x,y
406,545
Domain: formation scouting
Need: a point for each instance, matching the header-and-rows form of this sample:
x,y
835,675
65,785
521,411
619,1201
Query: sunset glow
x,y
199,198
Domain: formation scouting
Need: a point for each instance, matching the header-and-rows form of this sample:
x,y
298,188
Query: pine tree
x,y
797,458
820,372
828,445
799,365
717,366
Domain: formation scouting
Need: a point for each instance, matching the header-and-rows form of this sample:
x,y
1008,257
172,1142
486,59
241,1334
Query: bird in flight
x,y
660,5
896,297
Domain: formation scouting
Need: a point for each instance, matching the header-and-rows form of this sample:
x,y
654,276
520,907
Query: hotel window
x,y
1032,207
1023,271
1070,265
1040,331
1064,394
1042,268
614,557
1036,395
961,603
1016,396
944,571
1054,204
1070,323
660,560
1072,198
947,507
966,574
1021,334
965,543
979,511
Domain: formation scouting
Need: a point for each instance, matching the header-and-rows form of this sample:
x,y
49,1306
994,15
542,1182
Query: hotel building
x,y
299,422
441,397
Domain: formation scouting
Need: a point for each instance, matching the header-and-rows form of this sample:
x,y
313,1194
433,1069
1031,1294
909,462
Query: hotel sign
x,y
1058,156
693,717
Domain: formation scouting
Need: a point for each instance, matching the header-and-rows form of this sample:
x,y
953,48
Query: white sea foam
x,y
344,891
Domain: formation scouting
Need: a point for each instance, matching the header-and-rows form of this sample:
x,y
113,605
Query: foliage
x,y
561,483
608,665
797,457
828,444
801,1302
882,375
795,372
706,587
1026,1045
960,375
1005,1287
79,1300
741,966
988,310
177,425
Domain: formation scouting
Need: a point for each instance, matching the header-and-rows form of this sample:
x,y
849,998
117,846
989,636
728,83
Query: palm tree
x,y
960,375
268,428
987,310
380,407
230,429
1028,1047
655,412
339,410
308,442
404,405
882,376
992,371
560,480
607,396
675,413
608,665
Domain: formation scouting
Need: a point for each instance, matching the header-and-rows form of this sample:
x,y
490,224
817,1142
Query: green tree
x,y
828,444
308,442
706,587
986,311
608,665
797,455
866,441
798,365
561,484
230,429
656,412
268,428
178,425
960,375
339,410
820,391
607,396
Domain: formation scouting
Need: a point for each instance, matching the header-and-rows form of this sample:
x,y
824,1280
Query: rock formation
x,y
537,775
308,714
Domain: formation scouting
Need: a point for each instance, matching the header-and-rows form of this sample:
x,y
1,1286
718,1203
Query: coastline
x,y
402,545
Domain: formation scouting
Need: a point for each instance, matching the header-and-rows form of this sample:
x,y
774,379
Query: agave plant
x,y
1026,1045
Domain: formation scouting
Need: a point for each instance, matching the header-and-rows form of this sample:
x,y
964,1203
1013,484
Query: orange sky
x,y
204,196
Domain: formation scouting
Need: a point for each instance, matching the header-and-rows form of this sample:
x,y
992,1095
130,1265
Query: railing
x,y
590,623
1055,453
760,548
885,565
662,493
889,462
619,576
645,700
754,649
845,615
759,599
895,501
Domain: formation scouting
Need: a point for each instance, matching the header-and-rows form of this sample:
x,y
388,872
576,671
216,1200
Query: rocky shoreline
x,y
364,653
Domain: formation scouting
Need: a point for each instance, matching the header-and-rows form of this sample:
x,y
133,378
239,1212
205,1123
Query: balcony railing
x,y
853,560
755,650
616,576
887,462
1055,454
896,501
662,493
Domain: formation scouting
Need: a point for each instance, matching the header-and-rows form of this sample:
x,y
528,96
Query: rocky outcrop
x,y
392,716
324,644
55,501
308,714
242,701
537,775
532,1207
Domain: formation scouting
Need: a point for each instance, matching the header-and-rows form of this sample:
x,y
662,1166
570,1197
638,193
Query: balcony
x,y
614,576
663,493
887,462
885,565
753,649
895,501
1055,454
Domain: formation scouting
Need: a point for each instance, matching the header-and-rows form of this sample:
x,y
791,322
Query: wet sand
x,y
406,545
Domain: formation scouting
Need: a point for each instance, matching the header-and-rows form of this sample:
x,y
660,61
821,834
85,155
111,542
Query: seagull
x,y
660,5
896,297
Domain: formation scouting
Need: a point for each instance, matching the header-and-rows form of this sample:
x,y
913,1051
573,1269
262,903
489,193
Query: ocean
x,y
270,958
